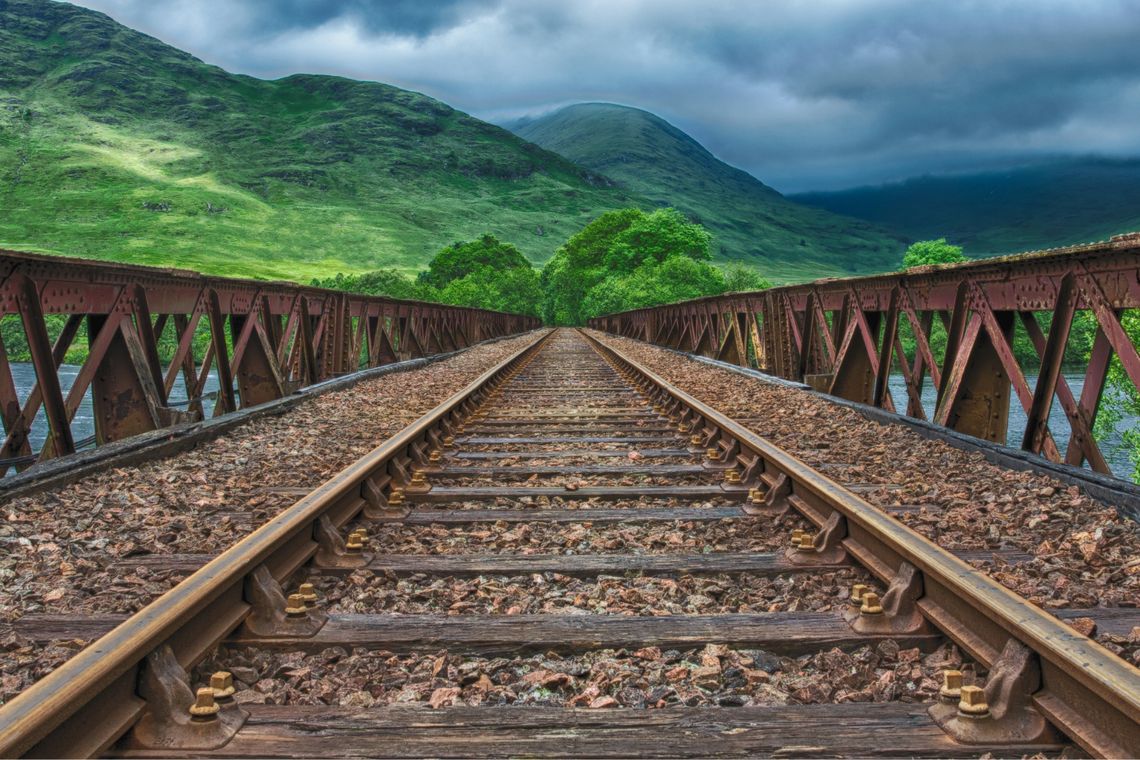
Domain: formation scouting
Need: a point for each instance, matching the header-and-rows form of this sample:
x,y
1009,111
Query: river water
x,y
83,425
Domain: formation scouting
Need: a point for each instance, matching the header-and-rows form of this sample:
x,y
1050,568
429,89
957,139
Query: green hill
x,y
1026,208
114,145
751,221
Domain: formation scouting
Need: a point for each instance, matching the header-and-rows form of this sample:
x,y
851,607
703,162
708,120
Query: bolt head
x,y
755,495
871,604
308,592
295,606
204,707
222,684
857,592
807,543
796,534
732,476
696,440
972,702
712,454
951,685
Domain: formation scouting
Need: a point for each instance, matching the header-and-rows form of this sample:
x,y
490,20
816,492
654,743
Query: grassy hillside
x,y
1022,209
114,145
751,221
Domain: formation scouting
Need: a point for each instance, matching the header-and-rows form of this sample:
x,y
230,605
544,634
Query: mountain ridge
x,y
1059,202
115,145
752,222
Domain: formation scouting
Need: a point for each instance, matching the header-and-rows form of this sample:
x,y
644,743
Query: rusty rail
x,y
270,338
83,706
1078,685
843,337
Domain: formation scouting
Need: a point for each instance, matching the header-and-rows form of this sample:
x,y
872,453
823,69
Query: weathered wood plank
x,y
891,729
788,633
648,453
445,494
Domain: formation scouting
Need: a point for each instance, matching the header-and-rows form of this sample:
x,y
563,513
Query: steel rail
x,y
1085,690
83,706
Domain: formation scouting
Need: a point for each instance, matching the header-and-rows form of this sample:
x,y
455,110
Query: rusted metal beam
x,y
126,309
977,303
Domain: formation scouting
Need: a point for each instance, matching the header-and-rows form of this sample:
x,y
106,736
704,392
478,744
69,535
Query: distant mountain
x,y
752,222
114,145
1027,208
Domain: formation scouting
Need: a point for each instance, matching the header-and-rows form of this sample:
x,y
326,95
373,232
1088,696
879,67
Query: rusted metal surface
x,y
843,337
91,700
266,340
1073,682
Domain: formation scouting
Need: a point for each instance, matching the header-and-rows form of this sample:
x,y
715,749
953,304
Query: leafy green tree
x,y
516,290
1120,406
461,259
623,254
926,252
741,278
382,282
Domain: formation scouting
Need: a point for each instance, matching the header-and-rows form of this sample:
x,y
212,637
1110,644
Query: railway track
x,y
584,509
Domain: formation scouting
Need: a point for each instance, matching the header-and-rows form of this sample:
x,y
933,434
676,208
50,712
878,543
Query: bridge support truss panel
x,y
149,329
846,336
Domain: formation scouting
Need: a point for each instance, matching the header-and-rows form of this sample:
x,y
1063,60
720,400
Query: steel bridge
x,y
844,337
265,341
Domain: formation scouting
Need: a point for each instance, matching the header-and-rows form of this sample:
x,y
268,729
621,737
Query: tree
x,y
926,252
461,259
381,282
740,278
623,254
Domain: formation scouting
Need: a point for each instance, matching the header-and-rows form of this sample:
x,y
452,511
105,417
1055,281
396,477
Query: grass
x,y
113,144
751,222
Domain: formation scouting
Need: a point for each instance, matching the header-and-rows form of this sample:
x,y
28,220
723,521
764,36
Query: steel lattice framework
x,y
842,336
268,338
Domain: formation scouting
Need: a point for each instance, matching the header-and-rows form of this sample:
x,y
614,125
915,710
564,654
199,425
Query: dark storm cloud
x,y
418,18
802,94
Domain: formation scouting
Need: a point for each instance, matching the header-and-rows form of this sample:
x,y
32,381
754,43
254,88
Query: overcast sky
x,y
805,94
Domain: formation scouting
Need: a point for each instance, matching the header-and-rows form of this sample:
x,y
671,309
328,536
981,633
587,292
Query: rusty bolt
x,y
857,592
732,476
308,592
713,454
204,707
684,427
353,544
419,478
796,535
871,604
972,703
295,606
449,440
395,497
696,440
807,543
222,684
755,495
435,456
951,690
362,534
